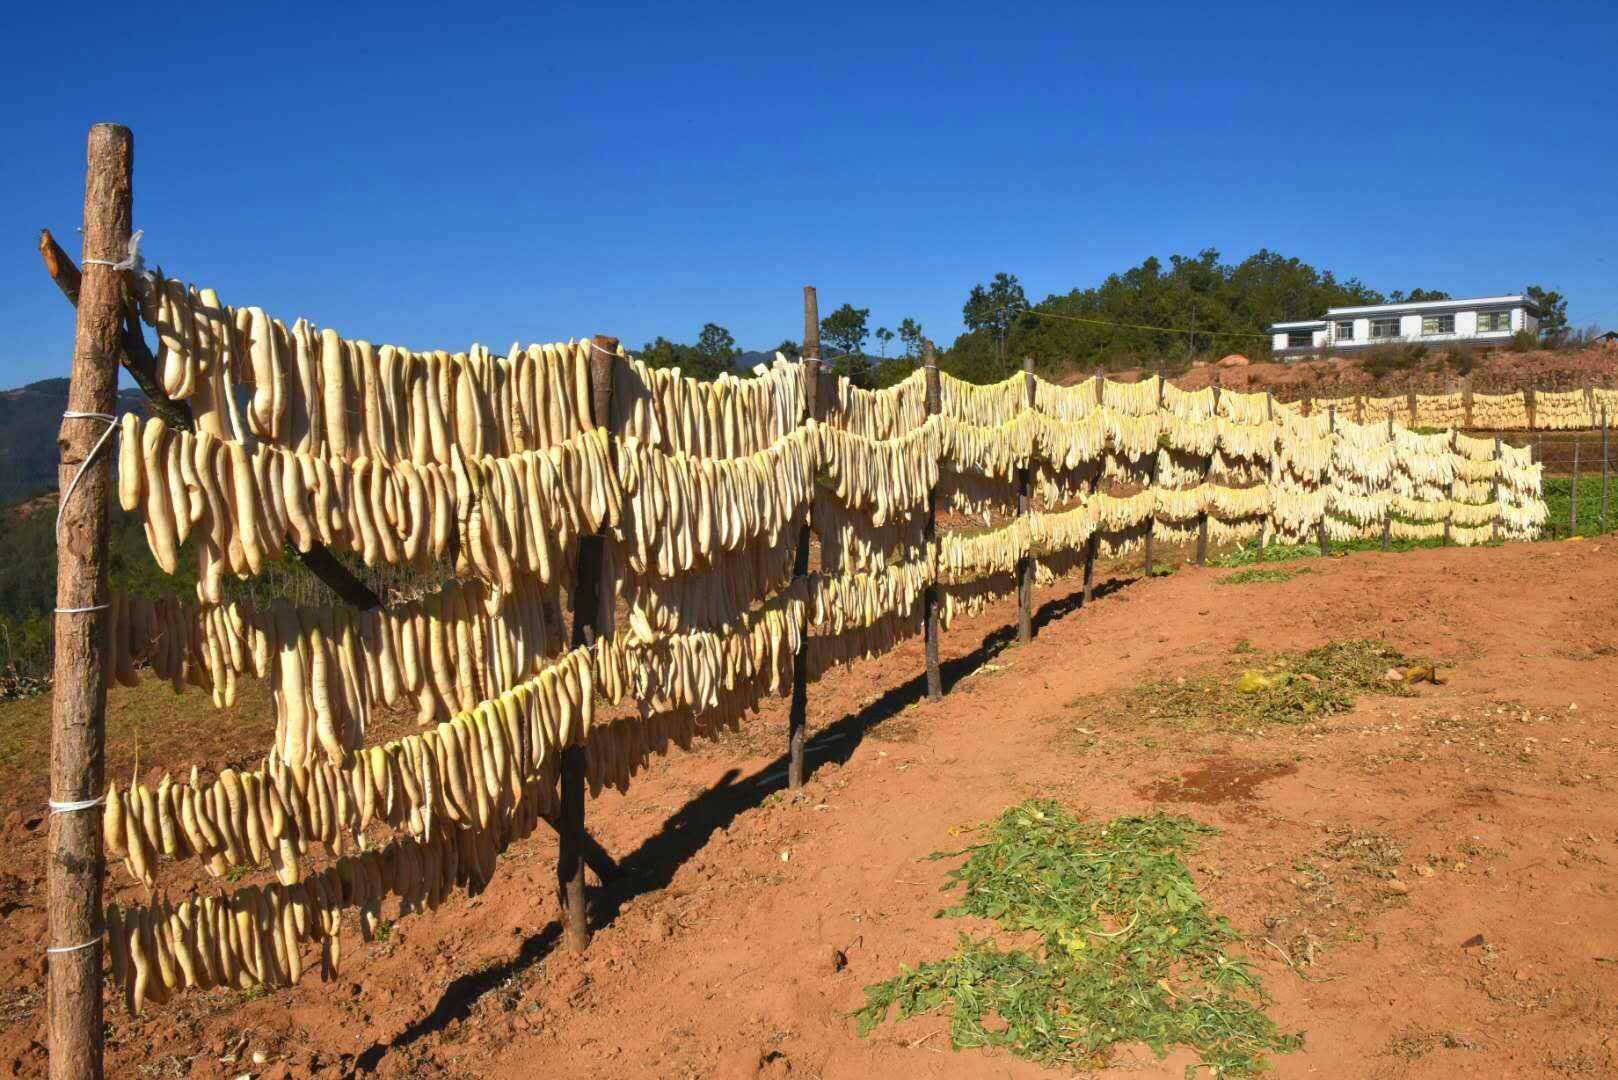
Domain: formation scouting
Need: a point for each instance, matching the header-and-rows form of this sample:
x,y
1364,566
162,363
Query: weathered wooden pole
x,y
1531,407
75,865
1320,526
1151,482
798,716
1494,492
930,600
1092,546
1202,515
1573,503
1604,469
1466,401
1025,566
592,618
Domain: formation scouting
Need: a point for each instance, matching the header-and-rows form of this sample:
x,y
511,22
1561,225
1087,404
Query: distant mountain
x,y
30,417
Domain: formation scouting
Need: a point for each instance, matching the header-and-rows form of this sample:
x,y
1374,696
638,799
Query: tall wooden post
x,y
1604,468
1573,503
1151,482
1202,516
1025,566
1387,514
1092,546
798,716
1320,526
592,618
934,398
1466,401
1494,492
1531,407
75,865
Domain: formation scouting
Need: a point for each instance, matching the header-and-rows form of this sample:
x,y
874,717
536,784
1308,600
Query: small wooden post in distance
x,y
1202,516
1604,468
592,619
1151,482
1387,514
1092,546
1573,503
934,397
798,716
1320,526
76,865
1494,492
1025,566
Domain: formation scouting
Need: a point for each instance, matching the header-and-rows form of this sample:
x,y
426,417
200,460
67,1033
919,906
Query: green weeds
x,y
1127,950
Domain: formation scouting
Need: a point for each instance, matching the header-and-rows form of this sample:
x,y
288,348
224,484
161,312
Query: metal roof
x,y
1515,300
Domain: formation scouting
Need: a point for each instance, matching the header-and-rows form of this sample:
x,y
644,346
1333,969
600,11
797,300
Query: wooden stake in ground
x,y
798,717
1202,516
935,678
1025,565
1092,546
592,618
1573,504
1320,526
1604,468
1494,492
1151,482
1387,515
75,866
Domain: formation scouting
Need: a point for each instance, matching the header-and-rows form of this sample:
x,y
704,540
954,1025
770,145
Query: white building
x,y
1481,319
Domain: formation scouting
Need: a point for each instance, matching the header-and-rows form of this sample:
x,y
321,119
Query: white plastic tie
x,y
82,610
112,425
73,948
132,261
75,807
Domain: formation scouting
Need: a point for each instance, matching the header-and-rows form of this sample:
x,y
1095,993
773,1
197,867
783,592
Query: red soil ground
x,y
1486,946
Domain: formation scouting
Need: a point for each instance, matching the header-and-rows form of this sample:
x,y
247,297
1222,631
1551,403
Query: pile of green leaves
x,y
1127,951
1278,688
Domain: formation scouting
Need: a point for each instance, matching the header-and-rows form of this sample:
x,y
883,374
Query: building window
x,y
1490,321
1345,330
1438,324
1299,339
1384,328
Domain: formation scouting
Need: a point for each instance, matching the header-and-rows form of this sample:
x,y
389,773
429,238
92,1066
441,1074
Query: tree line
x,y
1154,315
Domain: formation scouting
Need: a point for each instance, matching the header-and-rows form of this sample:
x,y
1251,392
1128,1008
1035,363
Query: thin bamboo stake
x,y
1573,504
1604,469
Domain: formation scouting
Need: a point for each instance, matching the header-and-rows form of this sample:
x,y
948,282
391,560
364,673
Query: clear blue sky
x,y
436,174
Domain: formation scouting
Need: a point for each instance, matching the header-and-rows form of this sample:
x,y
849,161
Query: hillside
x,y
29,419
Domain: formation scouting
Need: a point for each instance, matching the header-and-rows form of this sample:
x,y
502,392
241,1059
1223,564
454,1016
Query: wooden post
x,y
1531,407
1092,546
1573,503
1604,468
1494,492
935,678
1151,482
1025,566
1320,526
592,618
76,865
798,717
1202,515
1466,401
1387,515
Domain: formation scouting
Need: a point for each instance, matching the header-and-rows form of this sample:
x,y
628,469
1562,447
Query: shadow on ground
x,y
653,864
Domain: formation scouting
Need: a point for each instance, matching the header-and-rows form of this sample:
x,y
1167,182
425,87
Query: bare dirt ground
x,y
1425,883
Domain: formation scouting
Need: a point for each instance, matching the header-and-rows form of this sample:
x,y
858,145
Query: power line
x,y
1140,326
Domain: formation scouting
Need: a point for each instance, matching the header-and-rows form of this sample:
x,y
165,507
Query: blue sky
x,y
433,175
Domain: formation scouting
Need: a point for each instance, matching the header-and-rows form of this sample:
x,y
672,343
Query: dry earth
x,y
1427,883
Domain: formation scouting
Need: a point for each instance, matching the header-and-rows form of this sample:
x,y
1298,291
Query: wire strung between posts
x,y
1140,326
73,948
112,425
75,807
132,261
